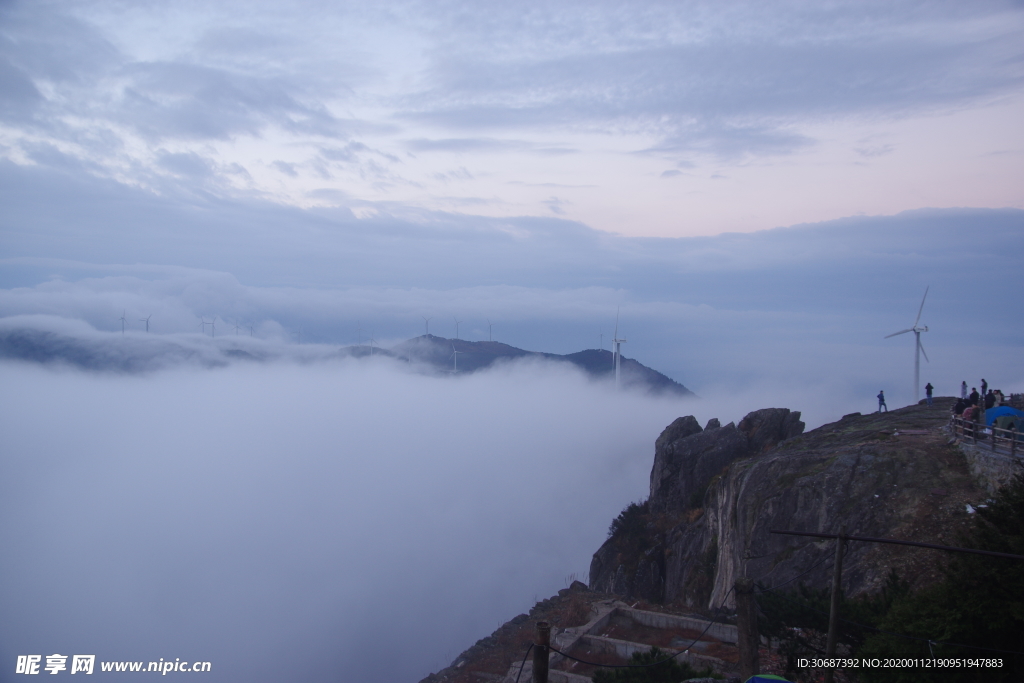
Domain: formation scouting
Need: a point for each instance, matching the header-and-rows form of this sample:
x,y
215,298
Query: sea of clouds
x,y
343,520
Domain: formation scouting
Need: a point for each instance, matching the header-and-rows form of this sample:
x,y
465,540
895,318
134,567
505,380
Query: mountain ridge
x,y
54,341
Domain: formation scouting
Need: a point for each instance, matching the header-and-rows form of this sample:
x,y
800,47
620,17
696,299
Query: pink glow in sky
x,y
667,119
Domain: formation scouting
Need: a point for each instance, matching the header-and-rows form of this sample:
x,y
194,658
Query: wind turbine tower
x,y
426,324
213,327
455,355
918,349
144,320
457,321
123,321
616,342
490,337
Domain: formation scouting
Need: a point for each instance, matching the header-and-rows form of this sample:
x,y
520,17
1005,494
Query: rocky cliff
x,y
717,492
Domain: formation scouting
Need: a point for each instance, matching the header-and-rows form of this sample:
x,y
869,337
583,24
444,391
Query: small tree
x,y
979,605
665,671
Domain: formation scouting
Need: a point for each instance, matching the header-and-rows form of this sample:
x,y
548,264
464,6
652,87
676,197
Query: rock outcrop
x,y
686,460
687,457
716,494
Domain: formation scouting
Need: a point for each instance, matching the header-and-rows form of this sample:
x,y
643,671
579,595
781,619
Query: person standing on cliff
x,y
881,401
984,386
963,389
928,389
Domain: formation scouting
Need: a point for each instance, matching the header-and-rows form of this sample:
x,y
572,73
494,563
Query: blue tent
x,y
766,678
992,413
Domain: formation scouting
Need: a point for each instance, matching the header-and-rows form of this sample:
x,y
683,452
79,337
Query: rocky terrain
x,y
717,492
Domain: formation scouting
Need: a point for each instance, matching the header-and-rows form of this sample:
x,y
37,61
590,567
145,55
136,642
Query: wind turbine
x,y
918,349
426,324
250,329
123,321
236,327
457,321
372,342
616,342
455,355
143,320
213,327
489,326
203,324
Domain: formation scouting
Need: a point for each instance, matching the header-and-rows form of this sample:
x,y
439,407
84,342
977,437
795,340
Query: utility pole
x,y
837,573
833,610
748,639
541,645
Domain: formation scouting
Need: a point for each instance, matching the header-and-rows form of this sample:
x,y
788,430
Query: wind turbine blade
x,y
922,305
920,347
900,332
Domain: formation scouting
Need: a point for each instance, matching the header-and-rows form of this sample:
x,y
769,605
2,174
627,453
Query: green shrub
x,y
668,671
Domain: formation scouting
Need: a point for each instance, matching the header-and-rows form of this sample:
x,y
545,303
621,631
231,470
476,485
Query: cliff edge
x,y
717,492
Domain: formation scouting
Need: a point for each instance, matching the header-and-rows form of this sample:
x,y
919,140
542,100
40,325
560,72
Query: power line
x,y
893,541
898,635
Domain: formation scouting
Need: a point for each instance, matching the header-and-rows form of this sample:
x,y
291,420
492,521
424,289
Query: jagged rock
x,y
687,457
681,428
683,468
686,460
872,474
767,427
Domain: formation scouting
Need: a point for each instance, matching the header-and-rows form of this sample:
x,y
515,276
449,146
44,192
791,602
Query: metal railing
x,y
999,440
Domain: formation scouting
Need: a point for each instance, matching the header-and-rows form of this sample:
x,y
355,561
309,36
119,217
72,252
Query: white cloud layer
x,y
289,522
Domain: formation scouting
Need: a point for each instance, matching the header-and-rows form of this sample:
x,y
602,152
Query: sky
x,y
654,118
753,195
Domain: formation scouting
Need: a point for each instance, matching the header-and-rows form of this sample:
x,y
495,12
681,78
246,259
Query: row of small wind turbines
x,y
616,343
203,323
124,321
426,326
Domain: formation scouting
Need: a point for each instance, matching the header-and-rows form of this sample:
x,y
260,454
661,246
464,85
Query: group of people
x,y
988,398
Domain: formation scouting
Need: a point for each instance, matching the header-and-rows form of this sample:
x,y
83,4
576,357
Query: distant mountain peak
x,y
477,355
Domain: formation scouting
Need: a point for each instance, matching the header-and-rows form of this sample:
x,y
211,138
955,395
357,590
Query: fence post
x,y
833,612
540,652
748,639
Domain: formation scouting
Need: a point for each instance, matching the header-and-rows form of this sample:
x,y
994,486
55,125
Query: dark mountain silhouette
x,y
78,346
473,356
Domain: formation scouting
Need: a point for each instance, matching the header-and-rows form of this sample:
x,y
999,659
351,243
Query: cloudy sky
x,y
761,192
668,119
